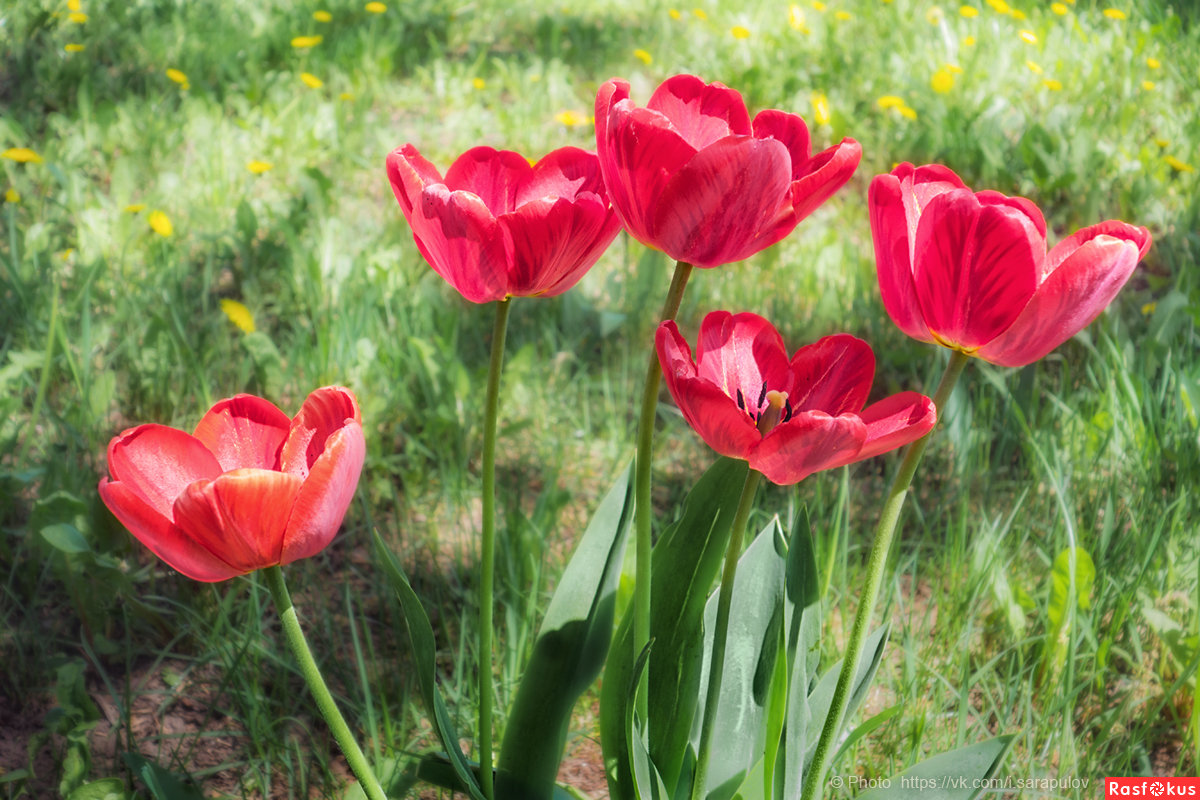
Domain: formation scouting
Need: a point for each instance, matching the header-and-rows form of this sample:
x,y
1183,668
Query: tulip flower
x,y
496,227
970,270
787,417
250,488
690,175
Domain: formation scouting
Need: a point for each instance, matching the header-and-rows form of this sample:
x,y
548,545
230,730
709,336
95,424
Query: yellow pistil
x,y
770,416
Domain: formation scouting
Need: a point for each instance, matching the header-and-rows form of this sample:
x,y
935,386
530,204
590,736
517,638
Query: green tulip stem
x,y
487,547
641,486
716,667
316,684
893,503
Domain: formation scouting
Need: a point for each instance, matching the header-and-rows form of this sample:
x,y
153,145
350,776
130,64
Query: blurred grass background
x,y
166,159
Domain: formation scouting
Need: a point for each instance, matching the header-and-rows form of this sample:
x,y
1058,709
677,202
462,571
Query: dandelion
x,y
818,5
796,18
1153,63
322,16
22,155
1000,7
907,112
820,104
305,42
1163,143
161,224
969,41
674,14
1018,15
177,75
259,167
1115,13
700,14
1028,37
570,118
72,47
375,8
889,101
1148,85
843,15
642,56
135,208
955,68
1149,308
311,81
1059,8
1052,84
1034,67
11,195
77,17
65,255
73,5
969,11
739,32
478,84
1177,165
934,15
346,96
238,314
942,81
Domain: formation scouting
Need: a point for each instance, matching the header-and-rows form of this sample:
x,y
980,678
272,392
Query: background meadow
x,y
195,205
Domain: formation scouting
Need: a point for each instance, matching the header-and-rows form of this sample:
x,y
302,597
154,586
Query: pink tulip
x,y
970,271
495,227
690,175
787,418
249,489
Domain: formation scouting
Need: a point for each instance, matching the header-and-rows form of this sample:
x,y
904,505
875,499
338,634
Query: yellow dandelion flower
x,y
818,6
843,15
955,68
259,167
72,47
311,81
345,96
1177,165
65,255
77,17
674,14
570,118
889,101
238,314
135,208
942,81
1115,13
1034,67
11,195
478,84
643,56
934,15
1163,143
74,5
1059,8
322,16
796,18
375,7
22,155
820,104
305,42
1000,7
739,32
1028,37
178,76
969,41
700,13
1149,308
1018,15
907,113
161,223
1052,84
969,11
1148,85
1153,63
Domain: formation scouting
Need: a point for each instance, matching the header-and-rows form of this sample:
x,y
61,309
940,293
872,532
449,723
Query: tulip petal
x,y
462,241
240,516
157,463
701,113
833,375
895,421
891,230
325,411
244,431
322,501
791,132
409,173
709,215
976,267
823,175
1071,297
161,537
743,356
555,242
494,176
568,172
809,442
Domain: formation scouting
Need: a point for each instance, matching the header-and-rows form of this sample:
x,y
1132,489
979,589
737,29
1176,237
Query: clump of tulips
x,y
692,175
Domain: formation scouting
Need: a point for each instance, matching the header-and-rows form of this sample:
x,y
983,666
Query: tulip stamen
x,y
769,417
762,396
741,401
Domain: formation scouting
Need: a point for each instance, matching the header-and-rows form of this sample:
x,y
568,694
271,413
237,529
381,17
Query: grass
x,y
109,323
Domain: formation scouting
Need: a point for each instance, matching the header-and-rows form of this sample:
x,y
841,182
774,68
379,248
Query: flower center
x,y
771,409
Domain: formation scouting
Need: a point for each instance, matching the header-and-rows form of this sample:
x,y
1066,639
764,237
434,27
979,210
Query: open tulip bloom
x,y
689,174
497,227
787,417
969,270
250,488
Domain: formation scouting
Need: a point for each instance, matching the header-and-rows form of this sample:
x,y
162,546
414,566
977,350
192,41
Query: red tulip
x,y
690,175
970,271
788,418
250,489
496,227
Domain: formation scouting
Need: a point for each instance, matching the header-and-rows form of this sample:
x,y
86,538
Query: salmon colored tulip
x,y
787,417
249,489
690,174
970,271
496,227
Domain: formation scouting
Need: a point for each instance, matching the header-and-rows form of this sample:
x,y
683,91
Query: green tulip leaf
x,y
960,774
420,634
1061,610
569,652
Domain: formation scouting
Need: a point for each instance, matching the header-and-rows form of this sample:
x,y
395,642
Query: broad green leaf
x,y
103,789
66,538
960,774
647,784
568,654
162,783
1060,612
684,566
420,634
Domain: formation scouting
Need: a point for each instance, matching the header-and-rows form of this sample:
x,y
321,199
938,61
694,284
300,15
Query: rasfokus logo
x,y
1152,787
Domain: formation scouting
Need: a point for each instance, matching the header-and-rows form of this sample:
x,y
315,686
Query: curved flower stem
x,y
487,547
716,667
893,503
641,485
316,684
